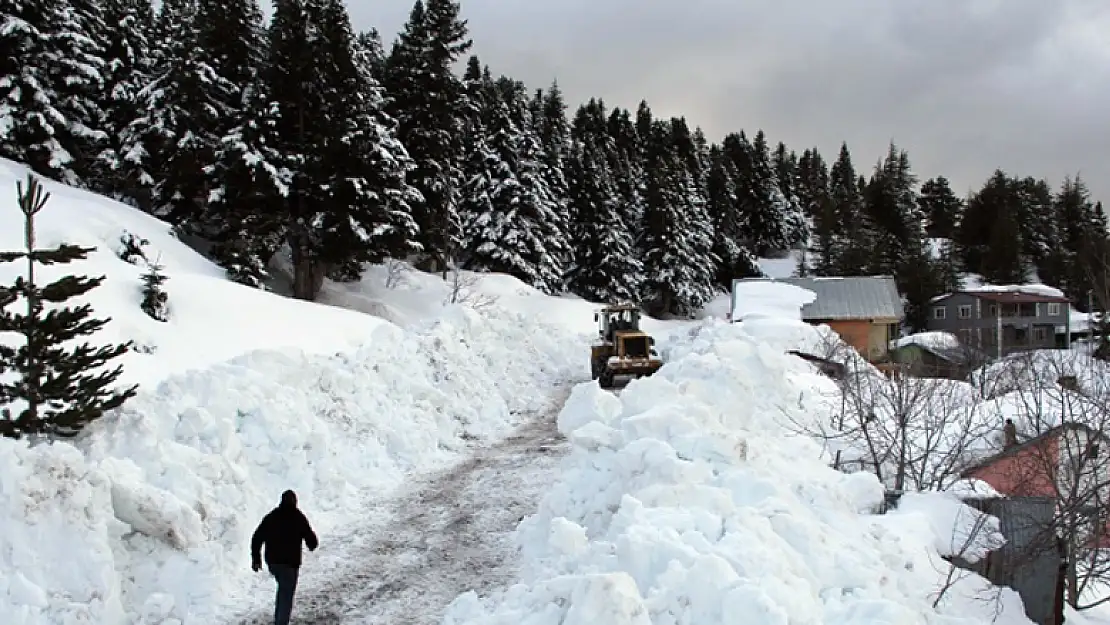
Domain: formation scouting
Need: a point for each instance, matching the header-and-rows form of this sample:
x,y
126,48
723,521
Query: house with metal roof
x,y
866,311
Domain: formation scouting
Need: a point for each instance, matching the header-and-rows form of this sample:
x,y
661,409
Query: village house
x,y
865,311
934,355
1002,321
1067,463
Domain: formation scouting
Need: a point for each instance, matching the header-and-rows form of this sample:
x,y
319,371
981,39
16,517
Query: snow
x,y
972,488
758,299
936,341
147,517
688,498
1030,289
211,320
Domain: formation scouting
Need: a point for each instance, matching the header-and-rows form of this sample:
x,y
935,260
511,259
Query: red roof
x,y
1017,297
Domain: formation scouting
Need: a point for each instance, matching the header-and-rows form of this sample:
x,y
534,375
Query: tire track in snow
x,y
443,535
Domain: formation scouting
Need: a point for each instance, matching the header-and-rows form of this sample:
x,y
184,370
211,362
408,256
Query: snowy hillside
x,y
244,393
688,499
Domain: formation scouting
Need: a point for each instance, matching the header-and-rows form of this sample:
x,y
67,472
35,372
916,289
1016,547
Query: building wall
x,y
870,338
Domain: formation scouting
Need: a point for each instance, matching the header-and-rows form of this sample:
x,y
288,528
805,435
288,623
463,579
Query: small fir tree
x,y
155,299
57,388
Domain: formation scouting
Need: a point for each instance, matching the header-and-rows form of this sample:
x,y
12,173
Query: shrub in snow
x,y
131,248
57,388
155,299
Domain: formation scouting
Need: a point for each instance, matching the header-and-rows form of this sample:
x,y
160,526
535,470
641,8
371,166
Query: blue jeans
x,y
286,577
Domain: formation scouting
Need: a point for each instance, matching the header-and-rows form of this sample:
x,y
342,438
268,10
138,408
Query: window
x,y
1092,451
1039,334
1054,309
965,336
939,312
964,311
992,310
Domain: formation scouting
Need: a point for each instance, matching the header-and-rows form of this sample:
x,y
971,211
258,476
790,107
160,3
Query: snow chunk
x,y
958,529
765,298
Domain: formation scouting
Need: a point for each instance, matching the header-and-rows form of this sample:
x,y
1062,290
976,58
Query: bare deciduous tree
x,y
913,433
463,288
1060,403
396,273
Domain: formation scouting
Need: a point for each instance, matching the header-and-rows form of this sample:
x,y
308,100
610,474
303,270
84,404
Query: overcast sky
x,y
965,86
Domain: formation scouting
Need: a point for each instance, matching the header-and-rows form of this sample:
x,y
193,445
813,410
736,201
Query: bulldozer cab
x,y
614,319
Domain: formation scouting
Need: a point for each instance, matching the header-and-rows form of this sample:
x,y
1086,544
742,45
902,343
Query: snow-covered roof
x,y
928,340
849,297
1011,293
942,344
762,297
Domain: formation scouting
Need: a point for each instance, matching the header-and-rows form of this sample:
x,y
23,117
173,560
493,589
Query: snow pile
x,y
146,518
163,498
959,530
689,499
755,299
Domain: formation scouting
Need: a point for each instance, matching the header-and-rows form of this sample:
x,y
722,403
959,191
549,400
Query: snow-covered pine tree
x,y
128,68
517,233
941,207
605,267
974,235
734,260
58,387
294,81
51,67
678,238
173,136
1039,228
249,191
554,135
371,213
816,202
155,302
1082,227
232,35
773,221
813,183
426,98
850,254
371,58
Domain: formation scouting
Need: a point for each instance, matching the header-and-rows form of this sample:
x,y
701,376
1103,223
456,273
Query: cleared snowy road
x,y
443,535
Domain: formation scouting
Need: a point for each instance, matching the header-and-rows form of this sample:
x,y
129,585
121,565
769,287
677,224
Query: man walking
x,y
282,531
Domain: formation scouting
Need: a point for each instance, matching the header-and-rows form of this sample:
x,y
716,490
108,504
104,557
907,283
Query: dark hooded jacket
x,y
282,531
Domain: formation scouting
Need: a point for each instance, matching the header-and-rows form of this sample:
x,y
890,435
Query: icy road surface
x,y
441,536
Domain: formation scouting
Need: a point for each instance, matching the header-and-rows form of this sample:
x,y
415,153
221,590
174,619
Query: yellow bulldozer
x,y
622,349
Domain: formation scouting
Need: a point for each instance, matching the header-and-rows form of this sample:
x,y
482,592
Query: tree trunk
x,y
308,271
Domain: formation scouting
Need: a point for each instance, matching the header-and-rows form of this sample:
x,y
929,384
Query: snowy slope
x,y
146,518
211,319
688,499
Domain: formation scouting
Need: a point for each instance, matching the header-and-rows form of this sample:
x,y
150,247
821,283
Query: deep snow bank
x,y
688,499
152,512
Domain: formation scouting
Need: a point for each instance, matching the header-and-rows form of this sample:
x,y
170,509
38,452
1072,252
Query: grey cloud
x,y
964,85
